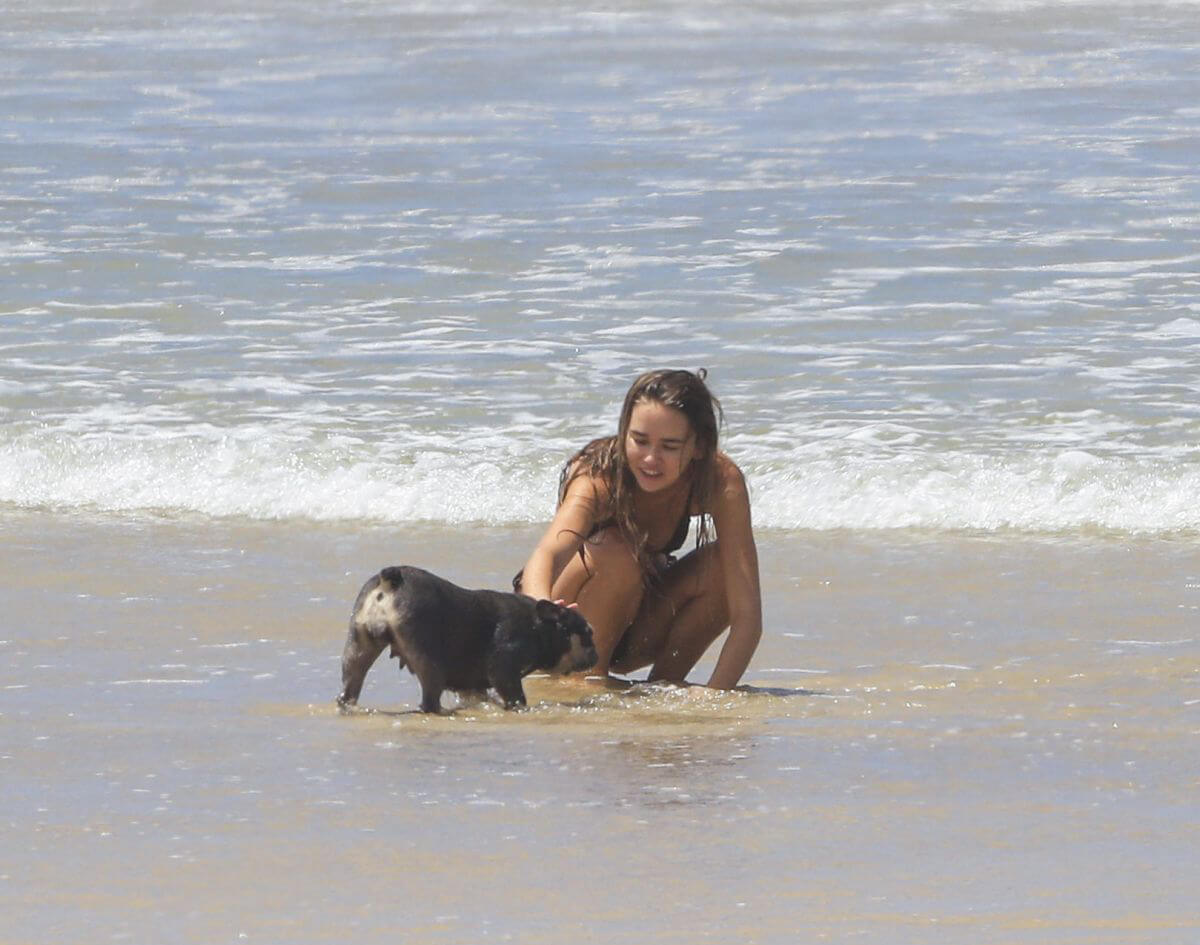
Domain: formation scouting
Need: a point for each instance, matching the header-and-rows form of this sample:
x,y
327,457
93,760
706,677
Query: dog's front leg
x,y
504,675
433,683
512,692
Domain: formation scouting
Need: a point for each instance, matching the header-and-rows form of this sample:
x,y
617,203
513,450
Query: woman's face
x,y
659,446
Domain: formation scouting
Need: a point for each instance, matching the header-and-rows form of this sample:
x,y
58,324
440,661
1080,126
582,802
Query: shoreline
x,y
831,599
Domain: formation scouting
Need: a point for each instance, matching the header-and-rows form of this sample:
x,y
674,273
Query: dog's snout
x,y
583,652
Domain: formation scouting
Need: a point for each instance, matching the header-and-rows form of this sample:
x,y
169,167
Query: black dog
x,y
452,638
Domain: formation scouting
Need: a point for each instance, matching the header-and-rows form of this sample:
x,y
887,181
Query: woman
x,y
625,504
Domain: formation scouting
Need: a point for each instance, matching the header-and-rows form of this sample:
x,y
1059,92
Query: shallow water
x,y
942,739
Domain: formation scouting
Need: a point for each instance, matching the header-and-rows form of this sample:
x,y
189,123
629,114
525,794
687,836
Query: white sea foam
x,y
266,477
278,475
1067,492
1179,328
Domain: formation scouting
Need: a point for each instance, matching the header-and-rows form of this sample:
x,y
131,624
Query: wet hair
x,y
605,458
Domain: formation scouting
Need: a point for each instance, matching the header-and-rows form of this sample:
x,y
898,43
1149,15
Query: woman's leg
x,y
678,621
607,585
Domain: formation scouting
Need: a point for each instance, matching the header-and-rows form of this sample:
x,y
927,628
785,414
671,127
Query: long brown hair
x,y
605,458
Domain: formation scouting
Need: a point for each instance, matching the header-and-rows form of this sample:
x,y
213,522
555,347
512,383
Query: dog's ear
x,y
393,577
548,619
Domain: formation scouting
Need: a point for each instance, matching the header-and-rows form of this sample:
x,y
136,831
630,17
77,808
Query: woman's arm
x,y
739,569
572,522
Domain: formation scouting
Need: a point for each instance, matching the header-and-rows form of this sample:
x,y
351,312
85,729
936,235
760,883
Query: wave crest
x,y
261,475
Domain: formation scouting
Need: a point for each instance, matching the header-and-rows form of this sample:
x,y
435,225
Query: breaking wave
x,y
257,475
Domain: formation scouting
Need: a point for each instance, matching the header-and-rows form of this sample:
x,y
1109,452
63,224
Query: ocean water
x,y
291,291
394,262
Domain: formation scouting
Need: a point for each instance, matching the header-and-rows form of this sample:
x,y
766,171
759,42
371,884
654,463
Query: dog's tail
x,y
393,577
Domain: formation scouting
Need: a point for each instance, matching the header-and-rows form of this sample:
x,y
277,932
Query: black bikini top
x,y
678,537
681,532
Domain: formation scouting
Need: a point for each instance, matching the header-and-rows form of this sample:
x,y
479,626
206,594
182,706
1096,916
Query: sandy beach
x,y
943,739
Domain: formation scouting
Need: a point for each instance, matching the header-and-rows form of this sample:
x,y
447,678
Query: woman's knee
x,y
614,577
611,558
687,610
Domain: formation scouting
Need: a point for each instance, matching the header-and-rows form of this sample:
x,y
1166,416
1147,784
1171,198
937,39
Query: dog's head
x,y
566,638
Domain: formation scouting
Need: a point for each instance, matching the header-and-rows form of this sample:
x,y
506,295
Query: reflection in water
x,y
692,769
628,747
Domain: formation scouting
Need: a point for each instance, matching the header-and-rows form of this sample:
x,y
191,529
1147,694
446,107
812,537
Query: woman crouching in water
x,y
625,504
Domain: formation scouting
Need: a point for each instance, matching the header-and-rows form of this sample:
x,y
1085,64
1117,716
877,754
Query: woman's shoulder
x,y
727,476
581,480
585,475
726,484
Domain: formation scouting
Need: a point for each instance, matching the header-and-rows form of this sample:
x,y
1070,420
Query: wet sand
x,y
943,739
